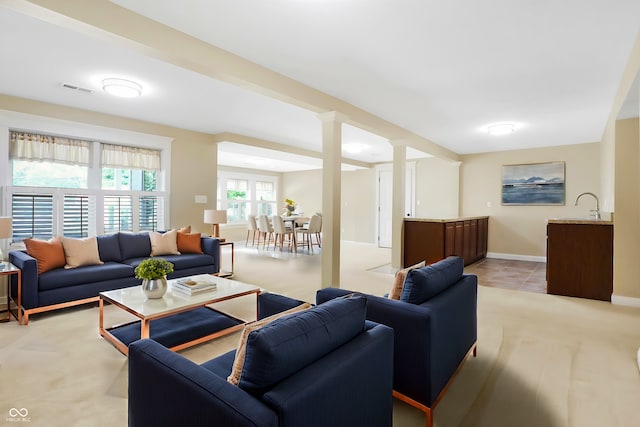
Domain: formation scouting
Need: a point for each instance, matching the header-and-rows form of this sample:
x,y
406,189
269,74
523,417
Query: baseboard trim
x,y
622,300
515,257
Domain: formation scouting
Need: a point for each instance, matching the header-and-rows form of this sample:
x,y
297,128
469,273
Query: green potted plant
x,y
153,272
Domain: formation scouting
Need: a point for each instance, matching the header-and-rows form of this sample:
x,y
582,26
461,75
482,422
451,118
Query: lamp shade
x,y
215,217
5,227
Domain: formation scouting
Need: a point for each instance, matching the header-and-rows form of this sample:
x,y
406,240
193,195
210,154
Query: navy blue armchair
x,y
434,337
325,366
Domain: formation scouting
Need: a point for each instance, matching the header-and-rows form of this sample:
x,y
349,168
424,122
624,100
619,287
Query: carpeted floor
x,y
542,360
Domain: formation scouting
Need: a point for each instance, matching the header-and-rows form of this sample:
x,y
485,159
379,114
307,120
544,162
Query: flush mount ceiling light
x,y
354,147
122,88
501,129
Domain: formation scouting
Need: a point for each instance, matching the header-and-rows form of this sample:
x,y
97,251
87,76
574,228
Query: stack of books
x,y
194,285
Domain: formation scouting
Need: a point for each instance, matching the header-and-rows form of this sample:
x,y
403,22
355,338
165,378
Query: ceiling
x,y
441,70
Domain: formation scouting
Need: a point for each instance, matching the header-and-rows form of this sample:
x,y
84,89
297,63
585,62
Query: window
x,y
48,174
236,200
128,179
149,213
32,216
76,215
59,188
118,215
265,198
246,194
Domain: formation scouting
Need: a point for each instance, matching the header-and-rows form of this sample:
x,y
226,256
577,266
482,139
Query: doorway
x,y
385,200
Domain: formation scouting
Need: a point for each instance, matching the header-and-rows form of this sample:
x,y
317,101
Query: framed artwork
x,y
533,184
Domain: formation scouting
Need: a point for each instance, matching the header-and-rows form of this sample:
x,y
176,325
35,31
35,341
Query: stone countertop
x,y
468,218
590,221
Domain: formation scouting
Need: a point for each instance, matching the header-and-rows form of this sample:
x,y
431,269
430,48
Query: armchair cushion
x,y
288,344
400,277
238,362
423,283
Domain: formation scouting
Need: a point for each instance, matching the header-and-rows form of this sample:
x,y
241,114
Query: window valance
x,y
35,147
121,156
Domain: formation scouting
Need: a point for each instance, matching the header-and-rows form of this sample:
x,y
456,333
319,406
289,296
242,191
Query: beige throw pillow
x,y
164,244
238,362
398,282
80,252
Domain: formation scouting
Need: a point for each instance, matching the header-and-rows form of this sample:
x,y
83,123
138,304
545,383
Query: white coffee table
x,y
176,320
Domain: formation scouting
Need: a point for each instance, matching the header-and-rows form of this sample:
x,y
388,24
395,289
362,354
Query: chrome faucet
x,y
596,211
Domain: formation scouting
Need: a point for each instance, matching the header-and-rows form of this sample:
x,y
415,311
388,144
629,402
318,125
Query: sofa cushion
x,y
61,278
189,243
109,248
426,282
164,243
286,345
398,281
238,362
48,253
81,252
183,262
134,245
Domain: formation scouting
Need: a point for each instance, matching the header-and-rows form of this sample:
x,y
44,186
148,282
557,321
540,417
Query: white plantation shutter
x,y
118,213
32,216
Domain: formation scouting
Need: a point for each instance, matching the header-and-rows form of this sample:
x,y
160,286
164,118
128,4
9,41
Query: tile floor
x,y
508,274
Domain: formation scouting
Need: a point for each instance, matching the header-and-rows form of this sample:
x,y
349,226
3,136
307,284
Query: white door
x,y
385,200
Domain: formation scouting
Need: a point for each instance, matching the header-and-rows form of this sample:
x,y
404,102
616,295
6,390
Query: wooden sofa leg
x,y
429,417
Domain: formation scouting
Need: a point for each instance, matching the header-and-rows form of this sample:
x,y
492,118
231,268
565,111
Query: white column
x,y
331,197
398,211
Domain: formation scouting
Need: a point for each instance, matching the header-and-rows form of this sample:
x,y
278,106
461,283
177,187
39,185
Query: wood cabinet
x,y
580,259
433,240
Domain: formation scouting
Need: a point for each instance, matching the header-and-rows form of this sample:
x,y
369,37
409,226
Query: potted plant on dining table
x,y
290,206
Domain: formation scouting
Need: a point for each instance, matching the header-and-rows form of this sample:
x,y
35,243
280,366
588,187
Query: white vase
x,y
154,288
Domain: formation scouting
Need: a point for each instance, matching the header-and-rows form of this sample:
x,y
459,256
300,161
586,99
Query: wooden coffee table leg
x,y
144,328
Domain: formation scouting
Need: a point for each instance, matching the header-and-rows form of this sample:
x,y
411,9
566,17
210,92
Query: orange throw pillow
x,y
189,243
49,254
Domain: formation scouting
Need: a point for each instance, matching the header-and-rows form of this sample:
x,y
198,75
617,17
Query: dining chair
x,y
252,228
313,228
281,231
265,229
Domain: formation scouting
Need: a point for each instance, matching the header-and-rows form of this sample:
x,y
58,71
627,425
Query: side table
x,y
223,273
8,269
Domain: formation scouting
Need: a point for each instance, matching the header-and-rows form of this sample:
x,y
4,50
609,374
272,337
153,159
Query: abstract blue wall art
x,y
533,184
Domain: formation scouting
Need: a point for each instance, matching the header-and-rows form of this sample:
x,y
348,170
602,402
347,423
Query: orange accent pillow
x,y
189,243
49,254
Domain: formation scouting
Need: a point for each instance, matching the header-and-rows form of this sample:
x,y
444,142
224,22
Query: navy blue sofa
x,y
325,366
435,326
121,254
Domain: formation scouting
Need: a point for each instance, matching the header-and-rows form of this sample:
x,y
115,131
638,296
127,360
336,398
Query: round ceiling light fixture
x,y
121,87
355,147
501,129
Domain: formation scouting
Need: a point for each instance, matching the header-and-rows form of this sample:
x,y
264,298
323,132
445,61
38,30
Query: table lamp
x,y
5,232
216,218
